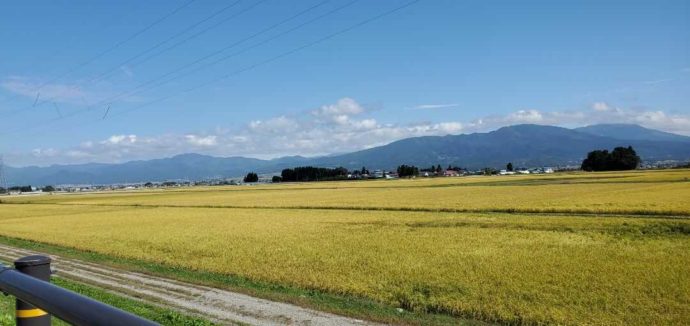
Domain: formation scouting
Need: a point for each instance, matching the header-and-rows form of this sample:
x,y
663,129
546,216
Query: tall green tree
x,y
621,158
407,171
310,173
251,177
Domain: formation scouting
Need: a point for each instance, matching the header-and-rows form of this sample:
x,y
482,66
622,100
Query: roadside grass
x,y
157,314
339,304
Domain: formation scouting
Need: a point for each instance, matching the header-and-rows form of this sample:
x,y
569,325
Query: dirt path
x,y
218,305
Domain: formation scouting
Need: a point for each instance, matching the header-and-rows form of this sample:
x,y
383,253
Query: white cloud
x,y
435,106
601,106
120,139
341,127
201,140
277,125
344,106
526,116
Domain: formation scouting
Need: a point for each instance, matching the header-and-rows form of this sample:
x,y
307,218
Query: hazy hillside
x,y
629,131
524,145
528,145
186,166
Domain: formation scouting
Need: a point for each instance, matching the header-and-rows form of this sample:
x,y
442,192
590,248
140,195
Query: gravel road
x,y
221,306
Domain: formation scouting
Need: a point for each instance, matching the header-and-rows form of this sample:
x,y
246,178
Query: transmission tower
x,y
3,180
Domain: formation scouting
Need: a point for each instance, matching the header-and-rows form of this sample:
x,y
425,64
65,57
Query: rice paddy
x,y
599,248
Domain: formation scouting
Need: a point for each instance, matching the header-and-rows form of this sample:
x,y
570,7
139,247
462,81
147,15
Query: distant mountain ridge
x,y
179,167
631,132
523,145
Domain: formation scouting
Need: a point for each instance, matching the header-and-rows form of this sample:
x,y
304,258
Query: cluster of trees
x,y
619,159
363,171
251,177
439,169
407,171
310,173
25,189
19,189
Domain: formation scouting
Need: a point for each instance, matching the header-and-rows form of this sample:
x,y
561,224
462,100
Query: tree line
x,y
28,188
310,173
619,159
439,169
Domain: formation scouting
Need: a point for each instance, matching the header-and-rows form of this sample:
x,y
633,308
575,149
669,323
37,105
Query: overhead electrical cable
x,y
113,47
70,42
280,56
269,60
141,87
161,43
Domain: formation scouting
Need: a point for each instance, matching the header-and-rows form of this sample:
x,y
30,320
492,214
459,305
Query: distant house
x,y
548,170
522,171
450,173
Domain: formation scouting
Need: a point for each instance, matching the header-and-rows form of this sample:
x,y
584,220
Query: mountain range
x,y
523,145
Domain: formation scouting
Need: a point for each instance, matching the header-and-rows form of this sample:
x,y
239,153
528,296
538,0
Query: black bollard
x,y
38,267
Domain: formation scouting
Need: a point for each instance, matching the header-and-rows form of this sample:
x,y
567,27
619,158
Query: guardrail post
x,y
38,267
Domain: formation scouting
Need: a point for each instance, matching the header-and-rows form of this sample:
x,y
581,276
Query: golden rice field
x,y
658,192
605,248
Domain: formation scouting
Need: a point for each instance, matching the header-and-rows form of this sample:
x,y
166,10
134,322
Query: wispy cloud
x,y
53,92
127,71
73,93
658,81
435,106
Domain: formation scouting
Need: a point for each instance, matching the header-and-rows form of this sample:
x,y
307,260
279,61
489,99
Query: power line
x,y
274,58
3,179
159,44
116,45
282,55
108,73
131,37
197,34
104,75
70,43
139,89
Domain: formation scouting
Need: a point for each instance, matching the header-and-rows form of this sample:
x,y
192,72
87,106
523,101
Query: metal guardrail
x,y
37,299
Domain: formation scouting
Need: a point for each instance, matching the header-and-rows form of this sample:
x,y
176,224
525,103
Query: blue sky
x,y
430,68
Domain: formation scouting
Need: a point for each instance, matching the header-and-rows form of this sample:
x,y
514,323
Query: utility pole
x,y
3,179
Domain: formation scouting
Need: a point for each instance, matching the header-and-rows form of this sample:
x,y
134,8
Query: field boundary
x,y
666,214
